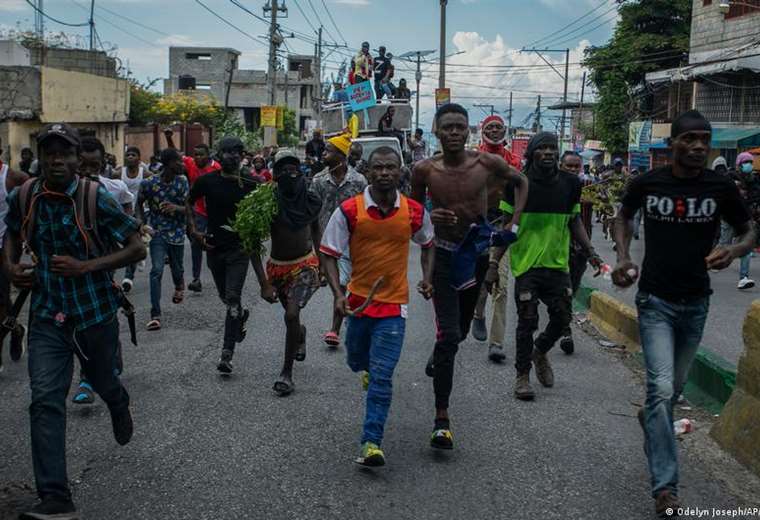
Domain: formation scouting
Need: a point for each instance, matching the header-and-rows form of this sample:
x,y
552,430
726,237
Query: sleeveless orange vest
x,y
381,248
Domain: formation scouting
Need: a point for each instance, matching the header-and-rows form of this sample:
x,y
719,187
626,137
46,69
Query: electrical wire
x,y
43,13
592,11
130,20
304,15
554,41
334,24
238,29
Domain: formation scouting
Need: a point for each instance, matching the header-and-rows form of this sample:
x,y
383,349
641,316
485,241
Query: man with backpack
x,y
69,224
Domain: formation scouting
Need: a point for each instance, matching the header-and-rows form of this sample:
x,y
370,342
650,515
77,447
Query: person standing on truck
x,y
381,71
361,66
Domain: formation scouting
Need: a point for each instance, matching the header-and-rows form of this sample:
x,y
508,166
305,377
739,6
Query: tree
x,y
232,126
182,107
142,102
288,136
651,35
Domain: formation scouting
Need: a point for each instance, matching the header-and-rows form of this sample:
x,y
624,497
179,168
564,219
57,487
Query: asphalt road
x,y
728,305
206,447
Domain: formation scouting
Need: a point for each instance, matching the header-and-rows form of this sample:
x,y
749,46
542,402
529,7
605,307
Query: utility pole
x,y
418,55
442,73
564,77
39,20
538,115
92,25
317,97
509,127
492,107
275,40
580,108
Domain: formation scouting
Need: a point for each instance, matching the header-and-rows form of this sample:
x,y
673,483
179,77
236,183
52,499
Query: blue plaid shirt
x,y
83,301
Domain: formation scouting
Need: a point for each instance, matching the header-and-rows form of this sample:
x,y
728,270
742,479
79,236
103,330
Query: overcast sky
x,y
490,32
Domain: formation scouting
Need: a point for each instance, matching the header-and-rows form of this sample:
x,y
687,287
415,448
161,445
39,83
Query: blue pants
x,y
670,335
201,225
374,345
159,249
51,363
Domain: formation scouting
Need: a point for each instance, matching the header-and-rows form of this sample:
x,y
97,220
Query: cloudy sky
x,y
489,33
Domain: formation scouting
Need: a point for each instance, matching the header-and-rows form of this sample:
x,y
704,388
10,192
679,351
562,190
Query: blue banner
x,y
361,96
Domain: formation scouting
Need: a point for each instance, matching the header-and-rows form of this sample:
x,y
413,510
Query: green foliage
x,y
651,35
232,126
604,195
287,137
254,217
141,104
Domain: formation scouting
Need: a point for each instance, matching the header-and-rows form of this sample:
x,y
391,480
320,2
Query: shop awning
x,y
734,138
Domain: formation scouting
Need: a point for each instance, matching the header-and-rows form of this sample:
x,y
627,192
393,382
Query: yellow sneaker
x,y
442,439
365,381
371,456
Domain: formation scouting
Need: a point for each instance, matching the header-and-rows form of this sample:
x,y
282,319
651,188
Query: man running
x,y
539,259
132,174
682,204
9,179
336,184
378,223
223,190
293,266
165,195
74,305
457,182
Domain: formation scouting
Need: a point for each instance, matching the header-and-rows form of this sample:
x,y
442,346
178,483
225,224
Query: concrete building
x,y
41,86
721,80
214,71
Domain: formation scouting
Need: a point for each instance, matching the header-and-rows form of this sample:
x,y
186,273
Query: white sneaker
x,y
141,265
126,285
745,283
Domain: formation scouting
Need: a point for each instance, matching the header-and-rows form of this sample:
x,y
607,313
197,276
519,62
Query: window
x,y
198,56
707,2
744,7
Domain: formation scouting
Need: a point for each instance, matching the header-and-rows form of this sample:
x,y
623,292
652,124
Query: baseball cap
x,y
285,156
61,130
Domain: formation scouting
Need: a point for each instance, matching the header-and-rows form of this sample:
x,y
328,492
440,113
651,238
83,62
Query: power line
x,y
130,20
331,35
574,38
304,16
238,29
533,44
333,22
43,13
552,41
152,44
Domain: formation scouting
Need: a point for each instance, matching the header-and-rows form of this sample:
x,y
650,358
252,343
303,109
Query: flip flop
x,y
301,352
84,394
154,324
331,339
178,297
283,388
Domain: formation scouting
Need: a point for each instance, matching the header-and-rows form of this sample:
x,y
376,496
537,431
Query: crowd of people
x,y
478,217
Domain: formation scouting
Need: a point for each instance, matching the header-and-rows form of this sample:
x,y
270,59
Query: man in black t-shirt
x,y
227,261
682,205
380,72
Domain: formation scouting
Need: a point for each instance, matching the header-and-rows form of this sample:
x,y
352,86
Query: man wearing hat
x,y
337,183
74,304
293,266
682,205
540,259
223,190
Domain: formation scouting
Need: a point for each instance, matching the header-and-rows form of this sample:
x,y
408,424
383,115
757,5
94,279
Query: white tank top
x,y
3,201
133,184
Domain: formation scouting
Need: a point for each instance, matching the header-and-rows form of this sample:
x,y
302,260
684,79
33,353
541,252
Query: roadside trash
x,y
607,344
683,426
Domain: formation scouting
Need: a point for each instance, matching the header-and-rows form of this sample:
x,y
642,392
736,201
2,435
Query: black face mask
x,y
298,206
290,186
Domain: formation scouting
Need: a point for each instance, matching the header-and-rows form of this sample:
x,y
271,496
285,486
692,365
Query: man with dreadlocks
x,y
293,266
223,190
539,258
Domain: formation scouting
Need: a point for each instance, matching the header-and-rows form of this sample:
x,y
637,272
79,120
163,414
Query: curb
x,y
711,380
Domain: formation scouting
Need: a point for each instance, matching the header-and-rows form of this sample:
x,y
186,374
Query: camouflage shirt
x,y
333,195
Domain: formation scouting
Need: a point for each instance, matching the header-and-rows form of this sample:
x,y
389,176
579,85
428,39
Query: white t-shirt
x,y
118,189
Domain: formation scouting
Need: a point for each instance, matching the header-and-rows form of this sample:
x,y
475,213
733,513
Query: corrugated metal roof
x,y
734,137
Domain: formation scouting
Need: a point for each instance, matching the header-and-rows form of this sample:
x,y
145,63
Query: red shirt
x,y
193,173
501,150
265,175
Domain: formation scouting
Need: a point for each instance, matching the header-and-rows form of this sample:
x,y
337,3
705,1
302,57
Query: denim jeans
x,y
670,335
744,266
159,249
727,236
374,345
196,251
229,269
51,351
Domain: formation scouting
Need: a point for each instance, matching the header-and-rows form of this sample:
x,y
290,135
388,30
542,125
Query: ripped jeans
x,y
229,269
552,287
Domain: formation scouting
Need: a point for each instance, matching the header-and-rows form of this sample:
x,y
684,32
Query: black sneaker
x,y
52,509
122,426
225,365
567,345
430,367
195,286
17,342
496,354
479,330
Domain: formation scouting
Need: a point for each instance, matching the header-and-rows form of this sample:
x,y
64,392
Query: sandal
x,y
179,295
283,388
331,339
301,352
154,324
84,394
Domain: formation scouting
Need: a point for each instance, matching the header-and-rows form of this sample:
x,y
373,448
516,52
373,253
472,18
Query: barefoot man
x,y
457,182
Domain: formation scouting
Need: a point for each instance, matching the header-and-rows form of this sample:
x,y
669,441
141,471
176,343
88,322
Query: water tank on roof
x,y
186,82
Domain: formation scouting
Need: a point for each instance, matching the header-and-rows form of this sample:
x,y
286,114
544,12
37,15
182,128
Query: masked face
x,y
289,179
746,167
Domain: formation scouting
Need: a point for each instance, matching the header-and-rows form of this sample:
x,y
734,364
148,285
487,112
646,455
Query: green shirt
x,y
543,240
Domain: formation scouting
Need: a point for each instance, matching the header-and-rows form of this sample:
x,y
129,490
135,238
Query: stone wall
x,y
712,33
75,60
20,93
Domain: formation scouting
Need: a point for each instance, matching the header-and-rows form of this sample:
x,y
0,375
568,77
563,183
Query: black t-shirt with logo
x,y
381,67
681,218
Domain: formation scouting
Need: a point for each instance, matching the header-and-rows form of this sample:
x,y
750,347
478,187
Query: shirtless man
x,y
458,182
293,266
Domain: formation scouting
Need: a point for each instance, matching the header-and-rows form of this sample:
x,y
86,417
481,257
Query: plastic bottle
x,y
683,426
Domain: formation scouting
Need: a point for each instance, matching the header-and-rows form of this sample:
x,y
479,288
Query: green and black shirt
x,y
543,240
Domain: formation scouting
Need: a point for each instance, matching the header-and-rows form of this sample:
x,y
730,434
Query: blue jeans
x,y
727,237
51,363
159,249
196,251
374,345
744,266
670,335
